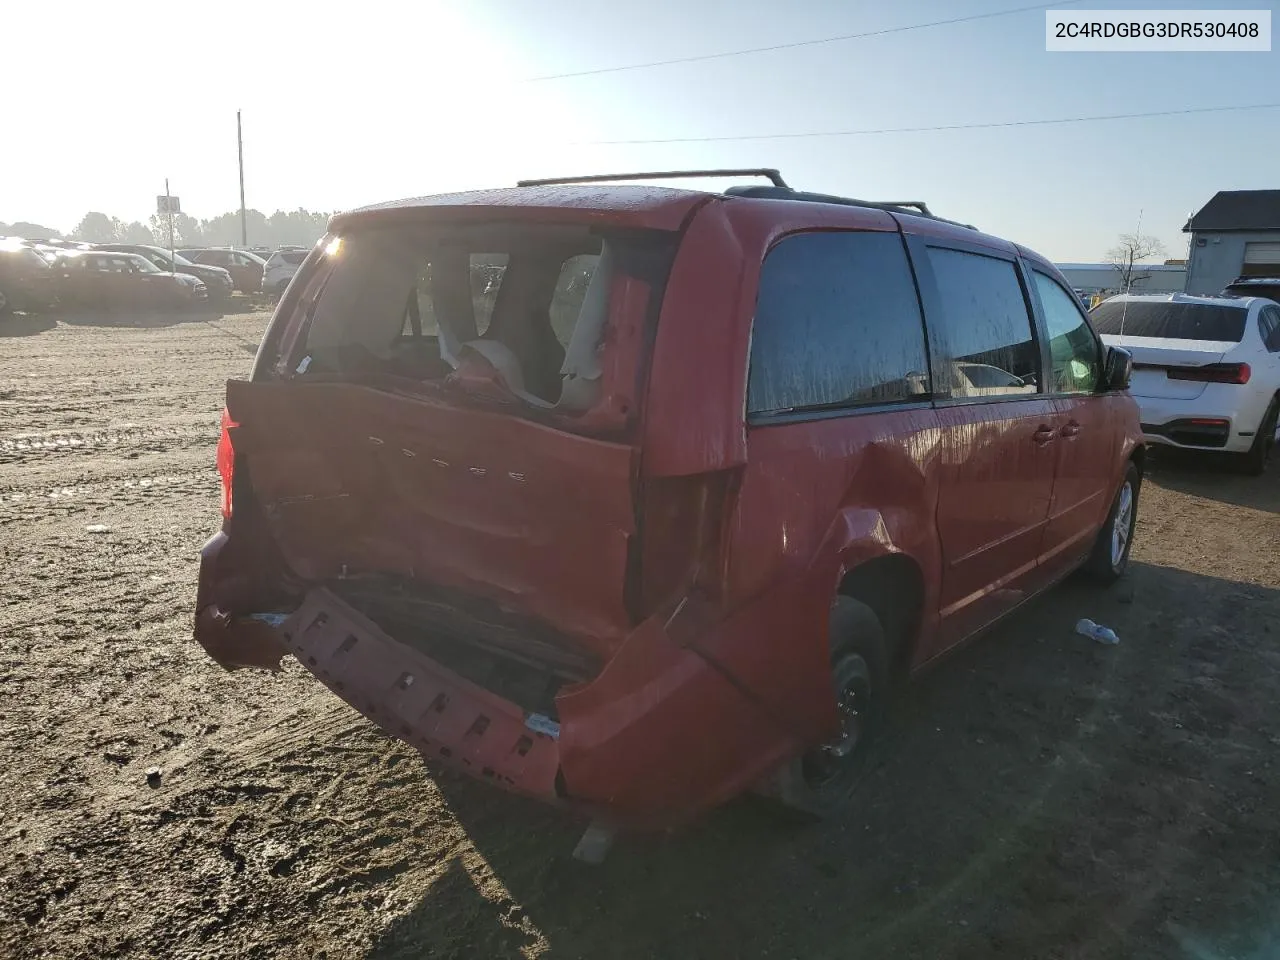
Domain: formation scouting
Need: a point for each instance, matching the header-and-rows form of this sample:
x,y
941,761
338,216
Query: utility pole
x,y
244,223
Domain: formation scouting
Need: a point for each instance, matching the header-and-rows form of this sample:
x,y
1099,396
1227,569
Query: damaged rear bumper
x,y
658,736
417,700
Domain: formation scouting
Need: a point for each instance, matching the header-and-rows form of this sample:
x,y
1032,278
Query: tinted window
x,y
1169,319
837,322
1269,327
1072,346
985,328
294,257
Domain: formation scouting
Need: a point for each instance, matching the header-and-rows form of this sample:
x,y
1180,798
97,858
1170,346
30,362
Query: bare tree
x,y
1126,257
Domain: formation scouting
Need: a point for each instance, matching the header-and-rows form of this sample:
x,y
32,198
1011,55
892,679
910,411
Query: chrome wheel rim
x,y
1122,526
834,760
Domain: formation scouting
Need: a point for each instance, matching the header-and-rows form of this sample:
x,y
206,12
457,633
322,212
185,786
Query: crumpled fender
x,y
664,732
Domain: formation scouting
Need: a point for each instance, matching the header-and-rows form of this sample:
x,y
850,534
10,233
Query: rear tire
x,y
818,783
1254,463
1110,557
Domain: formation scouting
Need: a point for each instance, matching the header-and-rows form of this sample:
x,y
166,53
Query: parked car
x,y
1206,369
245,268
50,250
647,546
280,268
25,280
216,279
1268,287
102,279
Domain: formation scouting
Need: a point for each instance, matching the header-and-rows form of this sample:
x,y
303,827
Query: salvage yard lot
x,y
1039,796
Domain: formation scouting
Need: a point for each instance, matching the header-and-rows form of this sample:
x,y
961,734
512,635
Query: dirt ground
x,y
1040,795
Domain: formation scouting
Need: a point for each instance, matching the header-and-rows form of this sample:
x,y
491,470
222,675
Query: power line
x,y
799,43
949,126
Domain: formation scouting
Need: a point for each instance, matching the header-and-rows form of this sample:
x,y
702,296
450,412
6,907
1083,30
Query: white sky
x,y
342,106
354,103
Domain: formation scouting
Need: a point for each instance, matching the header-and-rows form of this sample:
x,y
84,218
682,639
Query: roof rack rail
x,y
768,173
915,208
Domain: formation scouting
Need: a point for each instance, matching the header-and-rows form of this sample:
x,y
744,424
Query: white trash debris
x,y
97,528
1087,628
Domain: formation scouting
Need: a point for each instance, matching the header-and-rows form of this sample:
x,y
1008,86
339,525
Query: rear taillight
x,y
680,548
226,462
1212,373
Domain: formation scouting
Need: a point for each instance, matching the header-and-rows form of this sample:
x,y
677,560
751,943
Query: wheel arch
x,y
892,585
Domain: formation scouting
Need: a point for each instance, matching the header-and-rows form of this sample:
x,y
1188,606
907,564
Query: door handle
x,y
1070,430
1043,435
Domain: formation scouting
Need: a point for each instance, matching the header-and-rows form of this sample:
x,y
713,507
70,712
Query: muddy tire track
x,y
20,447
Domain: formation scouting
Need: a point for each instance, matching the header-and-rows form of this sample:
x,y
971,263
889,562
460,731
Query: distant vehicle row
x,y
37,274
250,272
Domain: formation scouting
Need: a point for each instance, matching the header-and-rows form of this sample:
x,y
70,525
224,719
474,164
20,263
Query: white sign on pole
x,y
166,205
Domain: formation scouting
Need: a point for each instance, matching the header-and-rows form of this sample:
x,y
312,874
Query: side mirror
x,y
1117,368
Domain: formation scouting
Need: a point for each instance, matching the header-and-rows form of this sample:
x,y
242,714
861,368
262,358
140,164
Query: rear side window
x,y
1269,327
837,324
1171,320
985,333
293,257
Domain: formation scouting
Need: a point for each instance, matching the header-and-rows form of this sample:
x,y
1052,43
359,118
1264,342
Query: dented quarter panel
x,y
820,498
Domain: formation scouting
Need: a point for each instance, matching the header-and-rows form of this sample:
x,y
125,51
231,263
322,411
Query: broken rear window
x,y
533,301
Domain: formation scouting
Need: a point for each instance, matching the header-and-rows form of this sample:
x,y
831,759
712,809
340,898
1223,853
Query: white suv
x,y
280,268
1206,370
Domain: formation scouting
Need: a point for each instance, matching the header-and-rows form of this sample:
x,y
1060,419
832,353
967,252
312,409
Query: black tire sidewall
x,y
1255,461
1100,564
854,629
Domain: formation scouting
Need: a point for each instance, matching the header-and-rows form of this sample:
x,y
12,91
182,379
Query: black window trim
x,y
851,408
1042,328
813,414
918,247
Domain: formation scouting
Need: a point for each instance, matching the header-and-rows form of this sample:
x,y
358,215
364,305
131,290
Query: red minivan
x,y
634,499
